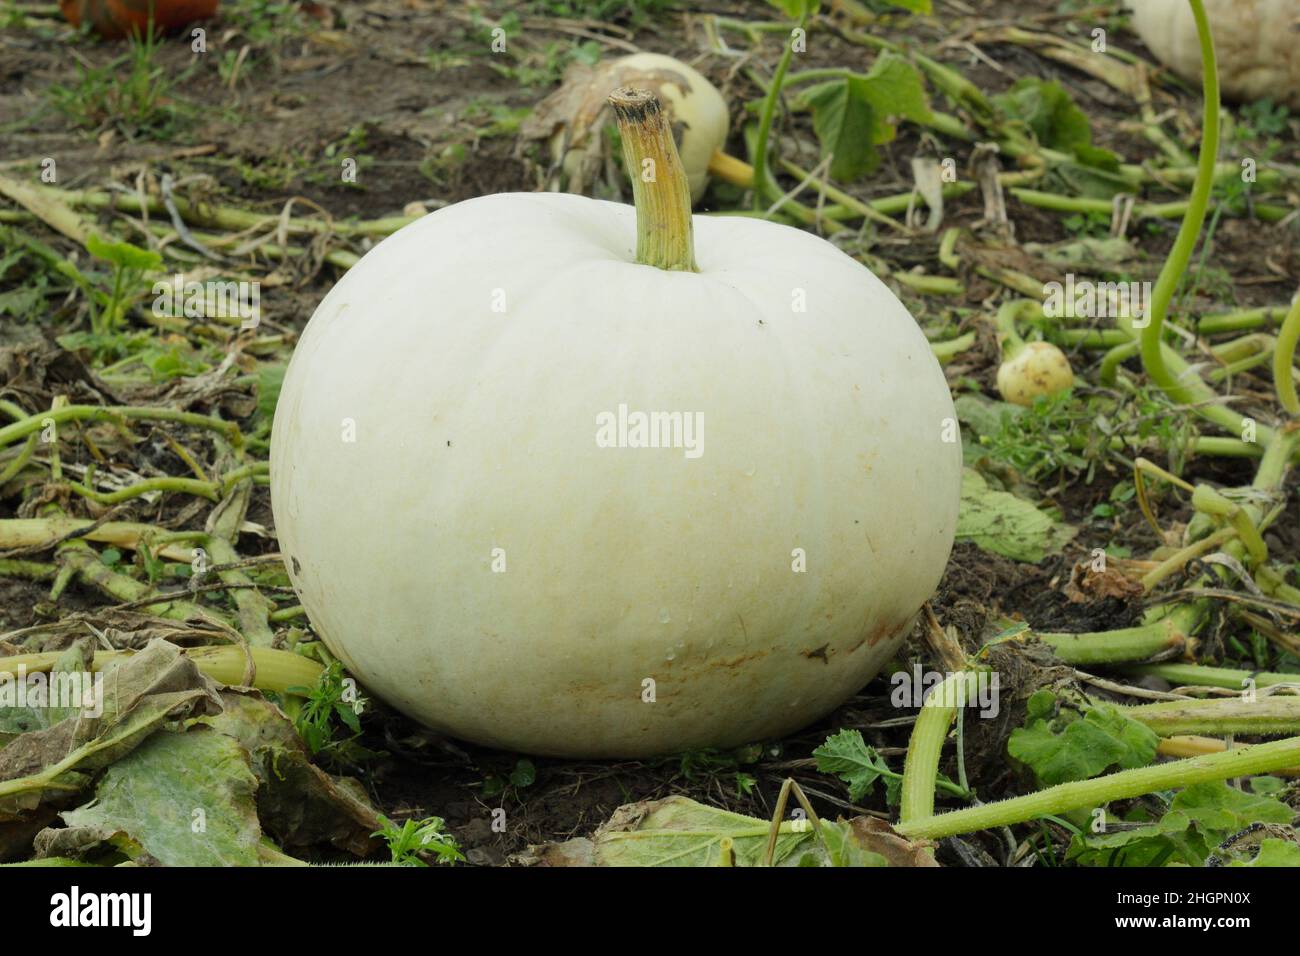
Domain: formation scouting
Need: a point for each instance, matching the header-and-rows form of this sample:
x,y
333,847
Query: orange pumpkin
x,y
115,19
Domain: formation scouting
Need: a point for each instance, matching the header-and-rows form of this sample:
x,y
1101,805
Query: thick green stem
x,y
1240,320
664,231
944,351
1167,283
37,534
1283,357
1085,794
1198,675
80,559
1218,717
921,768
1005,320
276,670
1125,644
252,607
20,462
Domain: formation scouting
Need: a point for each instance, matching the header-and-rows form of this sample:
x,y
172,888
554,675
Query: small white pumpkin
x,y
1257,44
464,537
1034,370
573,118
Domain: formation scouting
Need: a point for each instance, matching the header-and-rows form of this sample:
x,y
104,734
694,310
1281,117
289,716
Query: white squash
x,y
1257,44
574,117
462,540
1029,370
1034,370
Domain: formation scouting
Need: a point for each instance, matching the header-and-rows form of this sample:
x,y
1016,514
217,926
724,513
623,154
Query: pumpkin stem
x,y
664,237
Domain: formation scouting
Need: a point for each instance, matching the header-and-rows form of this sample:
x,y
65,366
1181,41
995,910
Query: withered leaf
x,y
299,804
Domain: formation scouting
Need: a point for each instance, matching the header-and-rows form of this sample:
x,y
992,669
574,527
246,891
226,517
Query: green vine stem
x,y
1178,560
664,228
252,609
1167,635
1116,357
1083,794
1200,675
19,462
212,490
1005,320
189,486
921,767
945,351
766,117
840,196
37,534
1217,717
32,570
99,413
1176,264
276,670
1241,320
1055,202
1283,358
1204,401
80,559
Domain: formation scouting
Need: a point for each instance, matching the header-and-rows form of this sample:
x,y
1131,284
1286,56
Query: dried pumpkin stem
x,y
664,231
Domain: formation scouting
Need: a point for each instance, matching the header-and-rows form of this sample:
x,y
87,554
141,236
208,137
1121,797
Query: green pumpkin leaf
x,y
270,378
1048,111
1223,810
895,90
848,757
298,803
854,114
984,415
1199,819
1004,524
1273,852
844,121
1046,108
795,9
123,254
185,799
841,848
141,694
676,831
1061,745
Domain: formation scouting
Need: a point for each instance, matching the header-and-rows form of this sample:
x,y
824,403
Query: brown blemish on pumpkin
x,y
882,631
297,568
822,654
732,662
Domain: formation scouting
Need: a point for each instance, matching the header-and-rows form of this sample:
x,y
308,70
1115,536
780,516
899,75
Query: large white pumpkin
x,y
1257,44
464,539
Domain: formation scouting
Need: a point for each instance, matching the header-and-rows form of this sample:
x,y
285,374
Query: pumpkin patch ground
x,y
1080,343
